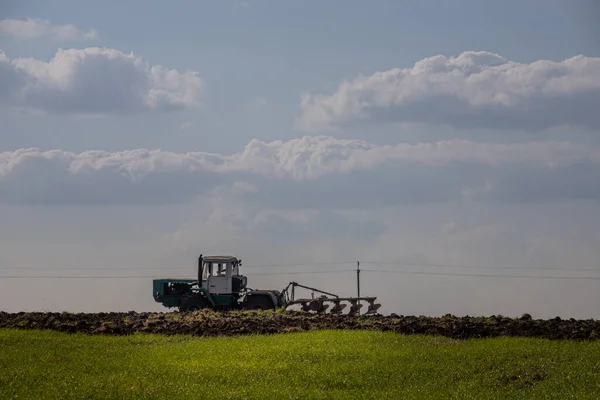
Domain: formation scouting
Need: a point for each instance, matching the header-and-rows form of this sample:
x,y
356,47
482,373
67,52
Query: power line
x,y
313,264
485,275
299,265
390,263
302,272
314,272
496,267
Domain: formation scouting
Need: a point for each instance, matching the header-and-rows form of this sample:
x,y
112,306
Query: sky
x,y
451,148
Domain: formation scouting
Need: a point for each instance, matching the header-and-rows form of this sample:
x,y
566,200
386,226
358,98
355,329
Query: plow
x,y
220,286
322,303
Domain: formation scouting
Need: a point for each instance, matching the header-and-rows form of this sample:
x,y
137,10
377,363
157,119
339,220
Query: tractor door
x,y
219,278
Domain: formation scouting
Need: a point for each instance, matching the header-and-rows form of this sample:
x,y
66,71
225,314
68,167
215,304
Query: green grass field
x,y
312,365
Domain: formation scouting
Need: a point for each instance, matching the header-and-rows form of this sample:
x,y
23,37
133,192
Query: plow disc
x,y
321,304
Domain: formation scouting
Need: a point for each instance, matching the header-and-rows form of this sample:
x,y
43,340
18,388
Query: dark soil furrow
x,y
210,323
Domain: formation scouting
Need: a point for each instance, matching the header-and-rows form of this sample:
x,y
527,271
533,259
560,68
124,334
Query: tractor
x,y
220,286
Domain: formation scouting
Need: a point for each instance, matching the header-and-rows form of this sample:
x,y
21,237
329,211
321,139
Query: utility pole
x,y
358,278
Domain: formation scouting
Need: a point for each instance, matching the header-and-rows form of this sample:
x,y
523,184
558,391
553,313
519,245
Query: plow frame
x,y
318,304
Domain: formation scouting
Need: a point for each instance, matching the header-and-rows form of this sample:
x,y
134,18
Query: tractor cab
x,y
221,274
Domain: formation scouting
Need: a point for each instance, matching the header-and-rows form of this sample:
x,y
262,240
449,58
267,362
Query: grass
x,y
310,365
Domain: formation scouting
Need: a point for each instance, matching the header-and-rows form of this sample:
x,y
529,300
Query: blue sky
x,y
435,132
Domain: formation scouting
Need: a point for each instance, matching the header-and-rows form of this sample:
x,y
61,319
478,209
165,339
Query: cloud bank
x,y
475,89
95,81
34,28
308,172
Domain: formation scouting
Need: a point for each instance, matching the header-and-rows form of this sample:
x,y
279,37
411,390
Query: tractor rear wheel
x,y
193,304
259,303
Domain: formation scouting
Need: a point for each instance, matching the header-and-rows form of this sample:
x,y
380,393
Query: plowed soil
x,y
210,323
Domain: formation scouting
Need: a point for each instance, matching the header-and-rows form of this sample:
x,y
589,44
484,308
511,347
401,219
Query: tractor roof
x,y
219,259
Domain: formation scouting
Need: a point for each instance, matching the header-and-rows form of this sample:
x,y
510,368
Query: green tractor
x,y
220,286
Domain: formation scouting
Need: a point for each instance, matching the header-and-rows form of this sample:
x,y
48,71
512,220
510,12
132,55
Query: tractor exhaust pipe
x,y
200,271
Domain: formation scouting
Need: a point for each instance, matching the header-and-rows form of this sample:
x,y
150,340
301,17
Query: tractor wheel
x,y
193,304
259,303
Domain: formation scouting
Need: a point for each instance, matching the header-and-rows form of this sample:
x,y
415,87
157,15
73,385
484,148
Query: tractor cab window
x,y
214,269
219,269
206,271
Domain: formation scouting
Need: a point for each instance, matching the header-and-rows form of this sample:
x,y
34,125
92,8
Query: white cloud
x,y
309,172
95,81
33,28
472,90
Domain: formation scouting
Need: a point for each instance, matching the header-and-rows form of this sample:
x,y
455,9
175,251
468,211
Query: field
x,y
305,365
287,355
